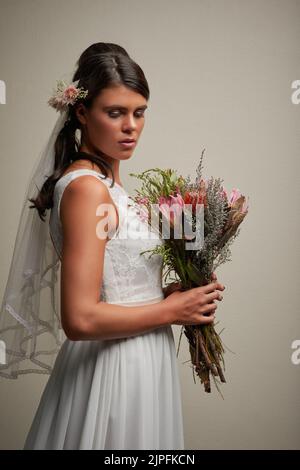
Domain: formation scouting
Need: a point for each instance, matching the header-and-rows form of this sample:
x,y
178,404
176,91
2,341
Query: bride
x,y
114,382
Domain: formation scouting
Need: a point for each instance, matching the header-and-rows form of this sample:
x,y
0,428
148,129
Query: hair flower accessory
x,y
65,95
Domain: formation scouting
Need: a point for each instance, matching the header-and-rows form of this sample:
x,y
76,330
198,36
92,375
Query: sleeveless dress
x,y
117,393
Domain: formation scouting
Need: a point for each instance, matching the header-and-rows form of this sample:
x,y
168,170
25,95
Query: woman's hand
x,y
196,305
174,286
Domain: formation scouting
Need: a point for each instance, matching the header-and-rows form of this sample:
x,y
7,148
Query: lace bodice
x,y
128,276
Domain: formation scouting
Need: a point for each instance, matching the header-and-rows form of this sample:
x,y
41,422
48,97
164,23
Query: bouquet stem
x,y
206,351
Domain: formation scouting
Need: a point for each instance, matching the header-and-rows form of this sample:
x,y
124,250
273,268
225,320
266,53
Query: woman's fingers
x,y
212,287
214,296
208,319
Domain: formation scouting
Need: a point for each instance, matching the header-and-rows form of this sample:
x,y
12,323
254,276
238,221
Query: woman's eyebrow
x,y
123,107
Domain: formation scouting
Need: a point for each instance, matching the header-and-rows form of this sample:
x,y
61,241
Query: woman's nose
x,y
129,122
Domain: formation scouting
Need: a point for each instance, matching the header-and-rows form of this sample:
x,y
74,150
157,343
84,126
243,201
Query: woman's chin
x,y
126,155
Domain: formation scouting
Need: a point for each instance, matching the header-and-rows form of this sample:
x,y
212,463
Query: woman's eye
x,y
115,114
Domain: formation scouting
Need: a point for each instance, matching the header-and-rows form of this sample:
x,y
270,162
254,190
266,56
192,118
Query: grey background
x,y
220,74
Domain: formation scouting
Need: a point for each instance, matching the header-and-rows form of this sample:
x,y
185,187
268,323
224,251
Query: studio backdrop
x,y
224,76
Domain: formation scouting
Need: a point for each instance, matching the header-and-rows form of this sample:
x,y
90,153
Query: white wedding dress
x,y
122,393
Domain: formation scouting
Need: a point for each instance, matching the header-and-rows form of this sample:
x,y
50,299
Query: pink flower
x,y
235,194
70,93
65,95
171,207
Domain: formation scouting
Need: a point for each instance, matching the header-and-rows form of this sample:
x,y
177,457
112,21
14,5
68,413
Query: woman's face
x,y
117,114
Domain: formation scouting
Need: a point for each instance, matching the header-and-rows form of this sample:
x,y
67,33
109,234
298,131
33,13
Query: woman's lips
x,y
128,144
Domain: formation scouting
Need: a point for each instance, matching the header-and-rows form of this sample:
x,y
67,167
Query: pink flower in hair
x,y
65,95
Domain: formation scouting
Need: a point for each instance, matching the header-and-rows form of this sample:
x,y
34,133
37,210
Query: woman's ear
x,y
81,114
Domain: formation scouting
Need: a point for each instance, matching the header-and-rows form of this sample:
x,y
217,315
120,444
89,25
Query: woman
x,y
115,383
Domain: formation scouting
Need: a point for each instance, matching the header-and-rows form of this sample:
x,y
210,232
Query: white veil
x,y
30,327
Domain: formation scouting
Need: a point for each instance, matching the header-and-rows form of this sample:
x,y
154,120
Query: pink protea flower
x,y
171,207
235,194
65,95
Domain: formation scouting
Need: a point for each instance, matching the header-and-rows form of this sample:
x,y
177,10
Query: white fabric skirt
x,y
112,394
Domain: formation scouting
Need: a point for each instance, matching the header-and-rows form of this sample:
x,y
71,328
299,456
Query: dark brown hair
x,y
101,65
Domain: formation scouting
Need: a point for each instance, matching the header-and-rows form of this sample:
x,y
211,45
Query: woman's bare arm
x,y
84,317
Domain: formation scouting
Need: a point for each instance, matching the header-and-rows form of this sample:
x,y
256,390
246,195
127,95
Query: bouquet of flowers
x,y
208,214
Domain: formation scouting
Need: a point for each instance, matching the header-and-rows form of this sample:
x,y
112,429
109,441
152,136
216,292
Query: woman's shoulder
x,y
79,179
80,165
72,172
71,175
80,186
